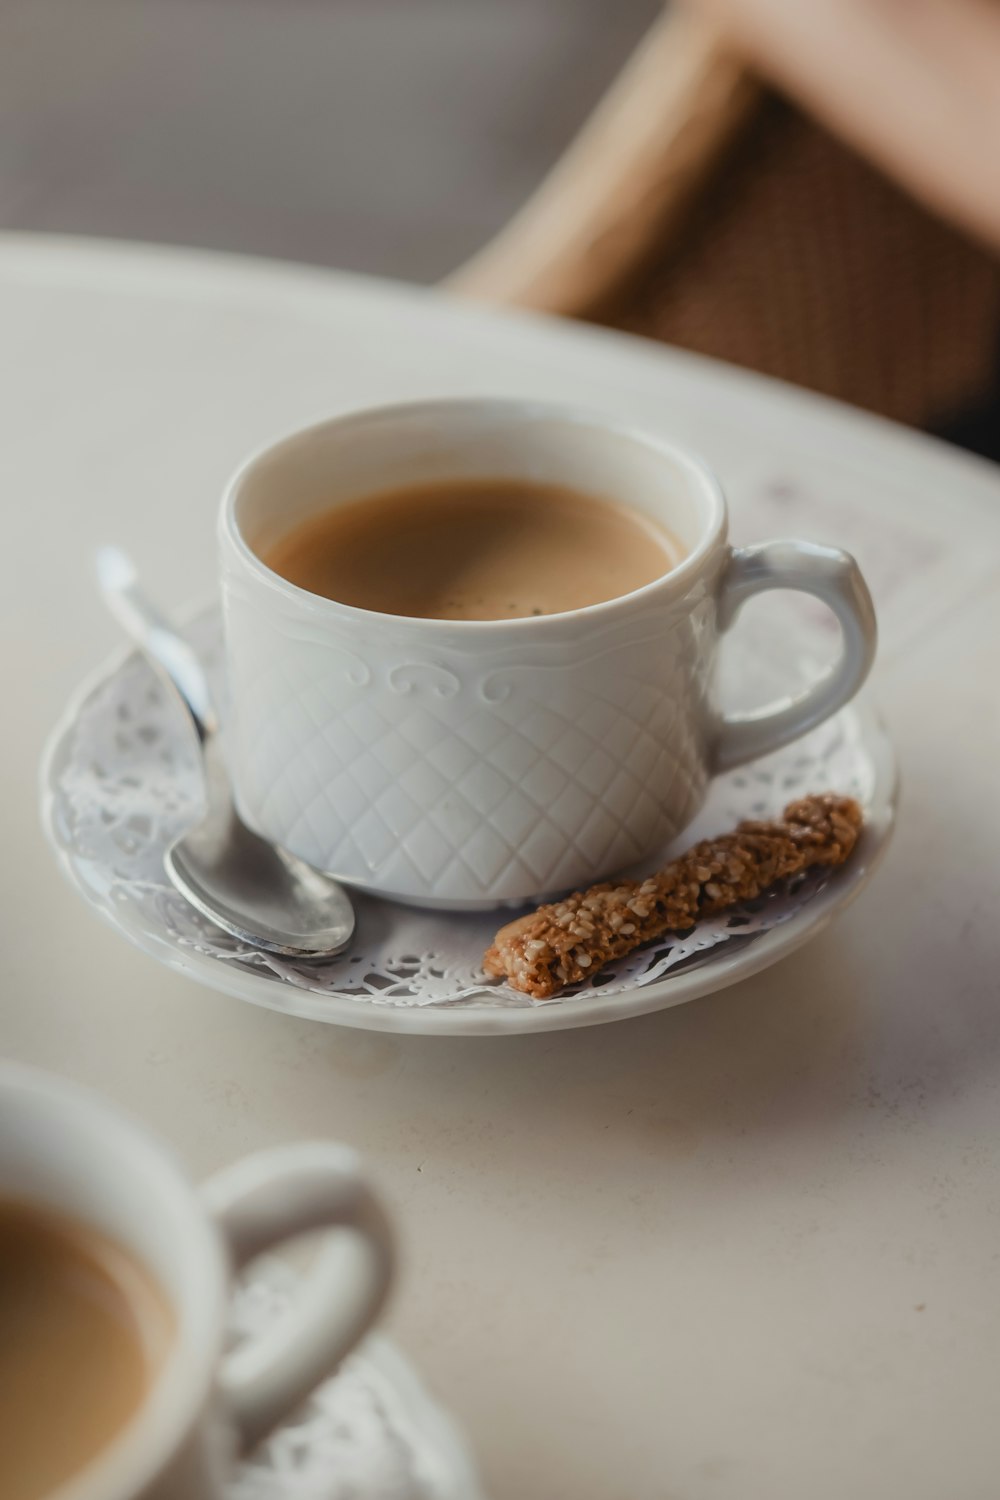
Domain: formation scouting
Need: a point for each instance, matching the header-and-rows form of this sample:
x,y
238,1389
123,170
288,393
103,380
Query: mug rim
x,y
181,1388
678,577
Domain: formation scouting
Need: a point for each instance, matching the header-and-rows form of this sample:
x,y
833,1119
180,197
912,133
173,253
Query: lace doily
x,y
123,780
369,1433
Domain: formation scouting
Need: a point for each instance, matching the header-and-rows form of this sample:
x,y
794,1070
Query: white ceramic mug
x,y
65,1149
467,764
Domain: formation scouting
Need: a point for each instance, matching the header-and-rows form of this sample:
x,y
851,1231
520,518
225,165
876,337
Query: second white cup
x,y
65,1150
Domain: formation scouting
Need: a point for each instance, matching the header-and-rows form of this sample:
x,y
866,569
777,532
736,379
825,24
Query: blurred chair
x,y
699,208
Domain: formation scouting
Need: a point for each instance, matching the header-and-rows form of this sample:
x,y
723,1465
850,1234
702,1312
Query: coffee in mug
x,y
475,549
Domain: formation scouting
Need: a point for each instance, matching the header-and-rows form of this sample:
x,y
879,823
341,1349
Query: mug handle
x,y
278,1195
832,576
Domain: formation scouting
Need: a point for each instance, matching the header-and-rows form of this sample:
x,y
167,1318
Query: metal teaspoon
x,y
246,885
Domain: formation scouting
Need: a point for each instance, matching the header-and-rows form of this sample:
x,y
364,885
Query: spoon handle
x,y
151,633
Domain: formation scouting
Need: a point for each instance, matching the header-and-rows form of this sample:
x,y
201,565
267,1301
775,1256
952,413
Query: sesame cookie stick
x,y
571,939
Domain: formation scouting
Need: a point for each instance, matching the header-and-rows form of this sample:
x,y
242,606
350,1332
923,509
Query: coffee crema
x,y
84,1329
476,549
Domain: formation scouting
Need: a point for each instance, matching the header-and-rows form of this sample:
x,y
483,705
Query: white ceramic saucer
x,y
371,1432
120,778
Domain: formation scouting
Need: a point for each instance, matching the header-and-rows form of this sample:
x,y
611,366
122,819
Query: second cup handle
x,y
279,1195
835,578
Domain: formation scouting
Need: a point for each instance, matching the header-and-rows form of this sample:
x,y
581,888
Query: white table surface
x,y
745,1249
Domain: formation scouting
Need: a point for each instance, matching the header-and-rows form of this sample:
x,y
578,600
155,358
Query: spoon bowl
x,y
246,885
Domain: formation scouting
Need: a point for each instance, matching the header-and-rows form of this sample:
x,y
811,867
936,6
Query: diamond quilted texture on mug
x,y
626,738
517,815
304,822
597,771
569,810
484,787
375,840
571,869
428,851
544,781
315,751
424,783
331,726
540,851
400,811
479,727
343,796
488,856
422,729
392,752
596,717
513,754
571,749
600,838
367,774
644,756
541,726
456,818
451,756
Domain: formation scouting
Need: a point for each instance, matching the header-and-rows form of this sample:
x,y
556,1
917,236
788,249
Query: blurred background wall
x,y
390,136
397,137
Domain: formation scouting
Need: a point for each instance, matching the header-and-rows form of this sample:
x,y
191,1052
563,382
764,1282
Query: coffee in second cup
x,y
84,1330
